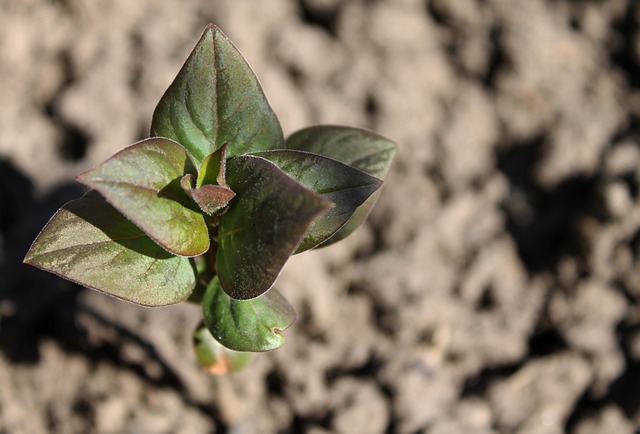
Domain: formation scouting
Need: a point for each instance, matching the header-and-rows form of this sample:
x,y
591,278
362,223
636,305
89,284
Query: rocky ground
x,y
495,288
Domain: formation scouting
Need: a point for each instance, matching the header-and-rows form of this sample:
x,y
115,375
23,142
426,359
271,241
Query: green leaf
x,y
358,148
210,198
337,182
215,358
263,226
246,325
216,98
212,169
89,242
142,182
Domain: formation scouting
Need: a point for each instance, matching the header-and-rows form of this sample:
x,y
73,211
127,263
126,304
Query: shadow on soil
x,y
35,305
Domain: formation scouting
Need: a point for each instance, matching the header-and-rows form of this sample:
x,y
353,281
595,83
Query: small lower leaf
x,y
246,325
213,357
89,242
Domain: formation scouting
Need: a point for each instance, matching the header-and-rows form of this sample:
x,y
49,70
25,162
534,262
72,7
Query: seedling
x,y
210,207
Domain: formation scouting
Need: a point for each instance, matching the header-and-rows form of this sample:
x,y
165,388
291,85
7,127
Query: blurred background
x,y
494,289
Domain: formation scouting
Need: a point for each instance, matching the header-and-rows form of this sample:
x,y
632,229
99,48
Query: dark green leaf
x,y
337,182
358,148
263,226
89,242
216,98
142,182
246,325
215,358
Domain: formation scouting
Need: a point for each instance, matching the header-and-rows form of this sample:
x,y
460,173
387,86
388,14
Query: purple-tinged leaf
x,y
337,182
216,98
89,242
362,149
263,225
356,147
210,198
142,182
246,325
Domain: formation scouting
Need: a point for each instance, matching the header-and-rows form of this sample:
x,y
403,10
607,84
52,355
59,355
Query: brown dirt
x,y
495,288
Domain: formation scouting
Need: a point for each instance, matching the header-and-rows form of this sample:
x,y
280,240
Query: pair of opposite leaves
x,y
271,198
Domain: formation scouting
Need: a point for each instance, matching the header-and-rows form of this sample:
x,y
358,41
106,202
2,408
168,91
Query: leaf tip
x,y
211,28
29,257
325,206
82,178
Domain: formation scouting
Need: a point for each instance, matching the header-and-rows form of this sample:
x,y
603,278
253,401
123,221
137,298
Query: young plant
x,y
211,206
